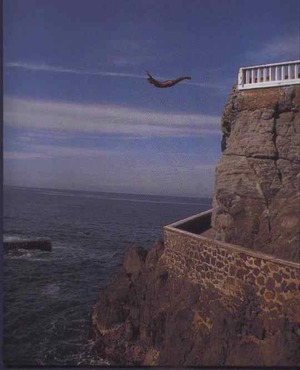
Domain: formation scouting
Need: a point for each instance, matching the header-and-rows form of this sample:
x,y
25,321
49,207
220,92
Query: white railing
x,y
268,75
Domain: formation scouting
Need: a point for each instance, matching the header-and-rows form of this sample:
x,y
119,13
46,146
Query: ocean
x,y
49,296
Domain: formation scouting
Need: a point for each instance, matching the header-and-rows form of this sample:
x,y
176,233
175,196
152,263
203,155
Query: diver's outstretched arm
x,y
153,81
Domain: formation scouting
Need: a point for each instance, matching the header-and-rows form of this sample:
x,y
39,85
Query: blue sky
x,y
79,113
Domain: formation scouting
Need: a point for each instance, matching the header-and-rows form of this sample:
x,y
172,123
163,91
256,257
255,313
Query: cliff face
x,y
258,177
200,303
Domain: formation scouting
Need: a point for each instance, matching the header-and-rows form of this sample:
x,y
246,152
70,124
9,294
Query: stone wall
x,y
230,269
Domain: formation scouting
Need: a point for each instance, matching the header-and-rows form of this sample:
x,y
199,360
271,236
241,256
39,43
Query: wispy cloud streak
x,y
57,69
51,151
88,72
105,119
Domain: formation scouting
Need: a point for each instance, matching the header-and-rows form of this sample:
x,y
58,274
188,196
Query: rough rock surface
x,y
257,186
149,316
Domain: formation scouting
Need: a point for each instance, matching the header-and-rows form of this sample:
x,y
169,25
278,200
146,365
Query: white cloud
x,y
50,151
19,155
105,119
67,167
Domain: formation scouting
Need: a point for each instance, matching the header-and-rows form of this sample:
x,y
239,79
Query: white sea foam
x,y
12,238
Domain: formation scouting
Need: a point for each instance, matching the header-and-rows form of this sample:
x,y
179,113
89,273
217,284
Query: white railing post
x,y
289,72
247,77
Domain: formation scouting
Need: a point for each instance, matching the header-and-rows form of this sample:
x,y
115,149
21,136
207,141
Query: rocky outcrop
x,y
148,315
257,186
200,302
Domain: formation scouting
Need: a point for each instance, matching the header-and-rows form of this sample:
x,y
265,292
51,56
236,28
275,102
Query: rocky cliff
x,y
149,315
257,197
156,313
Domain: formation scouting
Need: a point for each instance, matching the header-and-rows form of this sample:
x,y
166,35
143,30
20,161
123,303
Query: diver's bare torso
x,y
167,83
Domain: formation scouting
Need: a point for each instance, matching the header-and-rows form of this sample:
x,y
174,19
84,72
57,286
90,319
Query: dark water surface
x,y
49,296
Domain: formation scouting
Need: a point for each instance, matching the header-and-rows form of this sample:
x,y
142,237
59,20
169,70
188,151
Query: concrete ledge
x,y
201,222
196,224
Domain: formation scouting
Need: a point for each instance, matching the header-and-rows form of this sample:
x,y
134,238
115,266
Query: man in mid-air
x,y
167,83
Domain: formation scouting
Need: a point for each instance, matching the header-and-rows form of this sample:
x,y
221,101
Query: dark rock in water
x,y
29,244
149,315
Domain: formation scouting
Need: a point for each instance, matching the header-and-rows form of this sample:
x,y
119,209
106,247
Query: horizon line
x,y
108,192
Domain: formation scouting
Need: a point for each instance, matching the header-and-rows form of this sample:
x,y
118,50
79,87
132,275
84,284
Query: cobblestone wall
x,y
230,268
